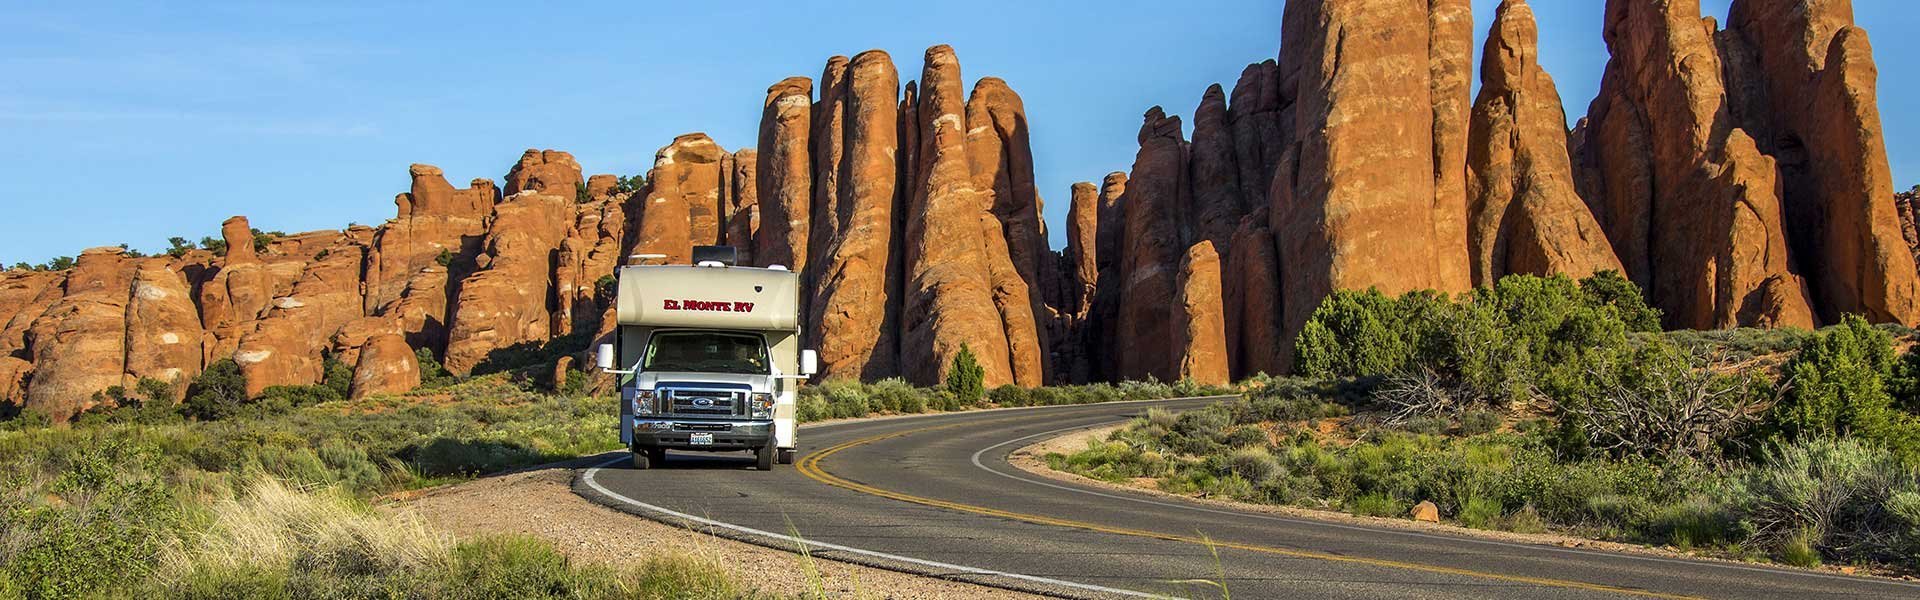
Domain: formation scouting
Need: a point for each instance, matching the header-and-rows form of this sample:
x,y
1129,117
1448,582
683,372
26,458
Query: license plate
x,y
700,439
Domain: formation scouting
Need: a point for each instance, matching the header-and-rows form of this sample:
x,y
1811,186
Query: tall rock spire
x,y
855,309
949,299
1525,215
785,174
1690,203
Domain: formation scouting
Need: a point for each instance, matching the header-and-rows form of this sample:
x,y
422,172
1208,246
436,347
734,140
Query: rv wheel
x,y
763,458
786,456
641,459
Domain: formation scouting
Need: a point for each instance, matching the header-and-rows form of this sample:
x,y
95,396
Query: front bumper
x,y
678,433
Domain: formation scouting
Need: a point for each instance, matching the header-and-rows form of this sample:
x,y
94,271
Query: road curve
x,y
935,495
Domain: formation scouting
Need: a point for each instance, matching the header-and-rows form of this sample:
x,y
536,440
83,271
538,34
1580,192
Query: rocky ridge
x,y
1738,175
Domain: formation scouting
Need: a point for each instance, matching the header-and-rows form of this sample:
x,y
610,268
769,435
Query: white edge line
x,y
595,484
1468,539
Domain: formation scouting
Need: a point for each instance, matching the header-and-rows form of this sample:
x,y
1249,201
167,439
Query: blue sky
x,y
139,121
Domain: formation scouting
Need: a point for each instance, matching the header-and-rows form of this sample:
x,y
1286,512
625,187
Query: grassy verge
x,y
274,503
269,497
1801,503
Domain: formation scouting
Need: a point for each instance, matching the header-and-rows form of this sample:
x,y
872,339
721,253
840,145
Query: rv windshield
x,y
706,352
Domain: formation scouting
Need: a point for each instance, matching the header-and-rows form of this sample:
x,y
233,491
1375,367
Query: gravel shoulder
x,y
540,502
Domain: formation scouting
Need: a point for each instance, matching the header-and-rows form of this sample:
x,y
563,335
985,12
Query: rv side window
x,y
706,352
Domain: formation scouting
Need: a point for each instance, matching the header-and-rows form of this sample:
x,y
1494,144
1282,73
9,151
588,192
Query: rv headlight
x,y
643,402
762,404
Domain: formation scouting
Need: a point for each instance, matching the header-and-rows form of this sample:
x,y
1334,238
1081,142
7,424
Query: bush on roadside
x,y
1844,499
1523,336
1837,388
965,378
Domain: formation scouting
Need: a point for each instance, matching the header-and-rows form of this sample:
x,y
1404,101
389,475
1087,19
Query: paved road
x,y
935,495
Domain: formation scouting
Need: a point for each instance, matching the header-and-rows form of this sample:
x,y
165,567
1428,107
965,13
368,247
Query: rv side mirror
x,y
603,357
809,362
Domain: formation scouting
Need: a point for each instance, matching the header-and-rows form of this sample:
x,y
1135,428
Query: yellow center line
x,y
810,467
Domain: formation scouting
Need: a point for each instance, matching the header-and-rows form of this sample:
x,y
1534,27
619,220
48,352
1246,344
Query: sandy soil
x,y
541,503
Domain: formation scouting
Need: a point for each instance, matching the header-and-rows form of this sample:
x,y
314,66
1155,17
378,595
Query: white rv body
x,y
700,351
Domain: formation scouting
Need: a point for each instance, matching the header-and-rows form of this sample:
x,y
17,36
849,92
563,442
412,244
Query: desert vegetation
x,y
271,498
1548,404
227,495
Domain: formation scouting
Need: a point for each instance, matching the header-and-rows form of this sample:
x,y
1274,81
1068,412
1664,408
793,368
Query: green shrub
x,y
1254,464
1698,521
1837,387
1843,498
1610,288
1480,513
218,392
965,378
1353,333
432,374
101,519
1376,505
1479,422
1010,395
1493,346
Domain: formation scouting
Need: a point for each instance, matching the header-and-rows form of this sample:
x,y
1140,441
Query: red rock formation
x,y
828,143
855,307
1103,332
682,205
163,327
1083,232
602,186
286,346
504,302
1217,195
15,375
1450,81
437,231
1151,248
1251,296
1202,341
385,366
432,195
1001,158
1363,106
1691,205
785,174
546,171
1525,215
1001,161
347,342
1815,80
238,294
1904,204
78,346
743,220
589,256
949,297
24,295
907,181
1259,131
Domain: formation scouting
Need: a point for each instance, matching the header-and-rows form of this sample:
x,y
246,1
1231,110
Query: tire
x,y
642,459
763,458
657,456
785,456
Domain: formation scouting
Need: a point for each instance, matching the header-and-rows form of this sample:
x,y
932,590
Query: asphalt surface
x,y
935,495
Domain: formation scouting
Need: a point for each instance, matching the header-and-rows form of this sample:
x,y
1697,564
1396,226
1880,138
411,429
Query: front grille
x,y
706,403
